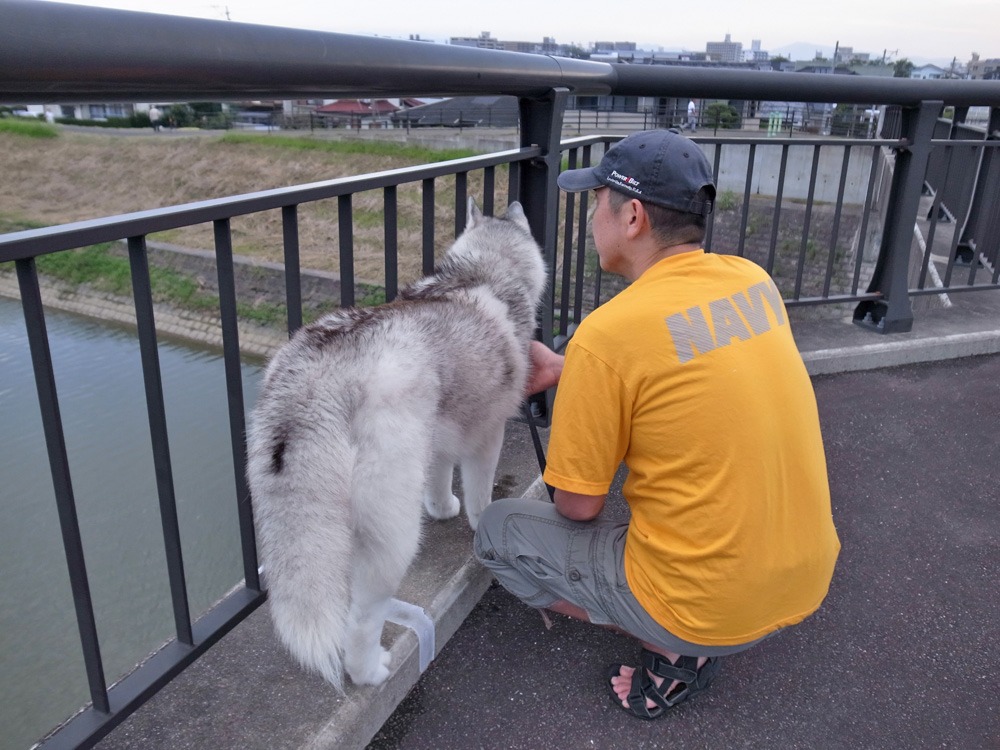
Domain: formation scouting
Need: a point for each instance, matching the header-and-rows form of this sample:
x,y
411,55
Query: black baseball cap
x,y
658,166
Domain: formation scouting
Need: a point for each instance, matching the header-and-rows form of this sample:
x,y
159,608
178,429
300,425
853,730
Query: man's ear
x,y
635,217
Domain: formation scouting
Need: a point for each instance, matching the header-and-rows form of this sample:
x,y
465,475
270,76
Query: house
x,y
358,113
928,72
462,111
86,111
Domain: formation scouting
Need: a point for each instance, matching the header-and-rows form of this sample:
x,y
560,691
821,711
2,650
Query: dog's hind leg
x,y
478,471
386,500
380,568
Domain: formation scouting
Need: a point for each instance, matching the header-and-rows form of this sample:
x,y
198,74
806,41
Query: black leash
x,y
537,441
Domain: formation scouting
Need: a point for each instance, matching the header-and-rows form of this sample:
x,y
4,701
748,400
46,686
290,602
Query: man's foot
x,y
663,681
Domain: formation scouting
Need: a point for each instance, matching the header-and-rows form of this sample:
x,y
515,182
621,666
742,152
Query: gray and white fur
x,y
362,417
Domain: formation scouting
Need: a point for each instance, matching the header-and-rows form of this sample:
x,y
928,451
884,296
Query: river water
x,y
102,401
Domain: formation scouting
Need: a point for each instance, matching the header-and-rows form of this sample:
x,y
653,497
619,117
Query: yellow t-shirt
x,y
692,377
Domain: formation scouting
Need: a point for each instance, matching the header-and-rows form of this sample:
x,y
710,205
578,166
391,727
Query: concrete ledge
x,y
893,353
171,323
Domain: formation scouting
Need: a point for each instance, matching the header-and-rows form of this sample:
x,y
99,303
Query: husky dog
x,y
360,421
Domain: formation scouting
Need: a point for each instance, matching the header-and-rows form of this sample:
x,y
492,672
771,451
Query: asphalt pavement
x,y
903,653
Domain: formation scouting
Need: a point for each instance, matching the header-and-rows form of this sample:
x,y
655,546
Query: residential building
x,y
984,69
483,41
755,53
725,51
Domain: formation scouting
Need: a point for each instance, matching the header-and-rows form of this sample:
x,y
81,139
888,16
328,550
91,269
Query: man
x,y
692,120
154,118
691,377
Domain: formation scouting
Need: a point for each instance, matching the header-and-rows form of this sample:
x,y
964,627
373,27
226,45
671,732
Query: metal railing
x,y
831,218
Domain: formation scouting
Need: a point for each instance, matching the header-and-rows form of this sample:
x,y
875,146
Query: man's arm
x,y
577,507
546,369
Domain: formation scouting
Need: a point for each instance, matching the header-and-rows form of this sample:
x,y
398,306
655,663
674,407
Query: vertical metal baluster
x,y
800,266
513,181
55,441
598,271
776,220
293,277
716,162
567,254
835,229
489,188
935,212
428,227
345,227
746,200
390,226
143,295
581,246
461,194
234,391
872,179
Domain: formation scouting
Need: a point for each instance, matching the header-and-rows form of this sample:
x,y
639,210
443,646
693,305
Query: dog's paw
x,y
442,508
372,671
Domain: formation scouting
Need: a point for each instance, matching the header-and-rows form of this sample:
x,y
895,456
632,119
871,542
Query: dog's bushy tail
x,y
303,516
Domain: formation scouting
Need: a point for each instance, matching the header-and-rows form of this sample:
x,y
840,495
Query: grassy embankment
x,y
57,176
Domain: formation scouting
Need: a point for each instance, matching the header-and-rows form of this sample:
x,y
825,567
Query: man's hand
x,y
544,370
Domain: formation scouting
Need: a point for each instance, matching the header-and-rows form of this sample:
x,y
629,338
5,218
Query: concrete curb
x,y
894,353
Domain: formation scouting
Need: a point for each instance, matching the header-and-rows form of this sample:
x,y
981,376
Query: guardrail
x,y
831,218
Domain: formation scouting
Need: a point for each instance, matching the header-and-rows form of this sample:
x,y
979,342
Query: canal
x,y
102,401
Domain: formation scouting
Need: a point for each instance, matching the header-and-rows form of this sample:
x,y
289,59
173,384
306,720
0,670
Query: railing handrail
x,y
54,52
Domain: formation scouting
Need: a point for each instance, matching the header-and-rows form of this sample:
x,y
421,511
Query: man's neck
x,y
647,260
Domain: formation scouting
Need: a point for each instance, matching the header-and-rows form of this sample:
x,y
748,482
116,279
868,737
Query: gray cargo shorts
x,y
542,557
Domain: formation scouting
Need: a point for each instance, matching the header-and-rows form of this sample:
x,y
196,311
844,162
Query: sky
x,y
918,30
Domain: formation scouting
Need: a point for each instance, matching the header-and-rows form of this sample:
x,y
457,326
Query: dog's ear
x,y
473,215
515,213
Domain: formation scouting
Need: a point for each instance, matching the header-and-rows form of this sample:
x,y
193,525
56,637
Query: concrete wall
x,y
767,165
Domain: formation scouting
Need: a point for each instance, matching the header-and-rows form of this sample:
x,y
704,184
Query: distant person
x,y
692,121
154,118
691,377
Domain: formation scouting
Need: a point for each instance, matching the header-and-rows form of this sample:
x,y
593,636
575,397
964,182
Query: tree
x,y
721,115
902,68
